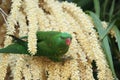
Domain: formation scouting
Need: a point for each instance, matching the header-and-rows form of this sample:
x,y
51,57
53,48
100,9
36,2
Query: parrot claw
x,y
55,59
61,59
66,58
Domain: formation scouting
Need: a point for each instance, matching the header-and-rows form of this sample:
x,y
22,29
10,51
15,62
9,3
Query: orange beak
x,y
68,41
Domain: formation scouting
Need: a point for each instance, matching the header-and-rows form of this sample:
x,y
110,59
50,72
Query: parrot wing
x,y
41,36
45,50
46,35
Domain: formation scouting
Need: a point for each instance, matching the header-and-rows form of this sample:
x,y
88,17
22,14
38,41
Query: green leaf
x,y
104,8
97,7
111,10
117,36
97,23
110,26
106,47
105,42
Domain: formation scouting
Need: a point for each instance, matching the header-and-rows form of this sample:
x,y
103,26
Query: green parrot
x,y
52,44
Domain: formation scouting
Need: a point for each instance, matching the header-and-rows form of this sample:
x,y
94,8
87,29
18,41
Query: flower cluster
x,y
29,16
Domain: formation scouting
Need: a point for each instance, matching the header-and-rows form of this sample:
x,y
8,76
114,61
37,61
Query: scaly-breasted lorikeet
x,y
52,44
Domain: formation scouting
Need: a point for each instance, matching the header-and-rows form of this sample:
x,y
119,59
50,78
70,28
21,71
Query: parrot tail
x,y
14,48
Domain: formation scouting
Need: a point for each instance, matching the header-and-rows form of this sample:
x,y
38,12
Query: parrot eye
x,y
62,37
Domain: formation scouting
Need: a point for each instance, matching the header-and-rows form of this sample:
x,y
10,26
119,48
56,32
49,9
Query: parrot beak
x,y
68,41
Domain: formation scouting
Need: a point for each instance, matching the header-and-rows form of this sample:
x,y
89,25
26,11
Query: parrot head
x,y
64,39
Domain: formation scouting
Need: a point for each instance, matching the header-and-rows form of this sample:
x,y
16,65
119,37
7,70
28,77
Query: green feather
x,y
14,48
51,44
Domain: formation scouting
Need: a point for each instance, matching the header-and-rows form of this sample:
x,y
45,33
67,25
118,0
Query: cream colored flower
x,y
31,16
